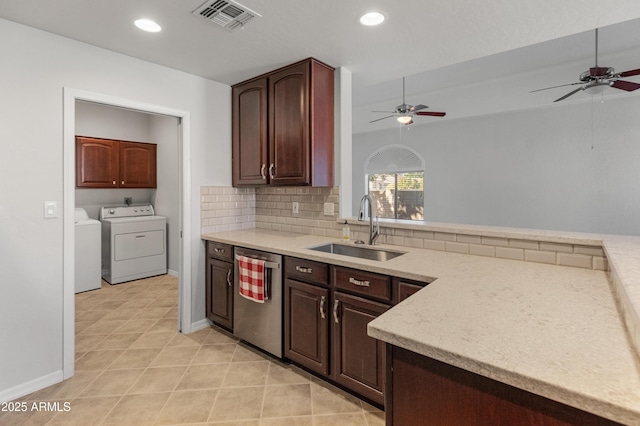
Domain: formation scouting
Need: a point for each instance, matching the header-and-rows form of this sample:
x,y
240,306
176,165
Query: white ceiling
x,y
421,39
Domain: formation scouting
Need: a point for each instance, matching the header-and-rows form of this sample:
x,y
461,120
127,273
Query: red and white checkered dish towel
x,y
252,279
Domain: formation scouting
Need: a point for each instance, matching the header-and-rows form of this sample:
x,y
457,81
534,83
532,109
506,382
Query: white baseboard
x,y
199,325
172,272
31,386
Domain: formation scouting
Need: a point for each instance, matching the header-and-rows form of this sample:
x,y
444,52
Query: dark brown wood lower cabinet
x,y
423,391
219,292
306,335
358,361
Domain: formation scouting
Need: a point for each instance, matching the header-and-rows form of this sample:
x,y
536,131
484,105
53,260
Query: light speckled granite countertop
x,y
552,330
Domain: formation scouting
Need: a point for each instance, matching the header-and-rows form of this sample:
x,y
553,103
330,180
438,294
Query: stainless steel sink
x,y
358,251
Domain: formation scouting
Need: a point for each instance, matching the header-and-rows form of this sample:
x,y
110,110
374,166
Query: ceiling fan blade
x,y
387,112
381,119
569,94
625,85
432,113
555,87
630,73
418,107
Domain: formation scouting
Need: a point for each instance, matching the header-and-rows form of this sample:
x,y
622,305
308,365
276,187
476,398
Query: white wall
x,y
571,166
34,69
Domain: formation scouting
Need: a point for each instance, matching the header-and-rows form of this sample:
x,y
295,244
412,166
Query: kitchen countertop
x,y
552,330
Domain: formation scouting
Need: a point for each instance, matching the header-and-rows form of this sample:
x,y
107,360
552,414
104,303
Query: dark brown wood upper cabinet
x,y
106,163
283,127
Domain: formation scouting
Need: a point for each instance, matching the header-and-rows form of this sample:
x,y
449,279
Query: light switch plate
x,y
328,209
50,209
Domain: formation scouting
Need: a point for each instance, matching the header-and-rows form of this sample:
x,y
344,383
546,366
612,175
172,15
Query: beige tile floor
x,y
133,368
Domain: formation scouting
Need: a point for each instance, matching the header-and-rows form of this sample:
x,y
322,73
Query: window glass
x,y
397,195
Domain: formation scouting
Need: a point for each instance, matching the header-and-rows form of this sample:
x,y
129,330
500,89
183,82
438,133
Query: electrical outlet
x,y
296,208
328,209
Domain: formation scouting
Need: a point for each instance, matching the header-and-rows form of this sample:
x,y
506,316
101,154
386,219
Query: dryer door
x,y
138,244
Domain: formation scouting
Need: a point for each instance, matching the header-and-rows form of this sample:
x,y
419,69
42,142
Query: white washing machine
x,y
87,252
134,243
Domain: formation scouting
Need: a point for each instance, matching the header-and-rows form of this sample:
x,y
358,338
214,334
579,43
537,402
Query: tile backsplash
x,y
230,209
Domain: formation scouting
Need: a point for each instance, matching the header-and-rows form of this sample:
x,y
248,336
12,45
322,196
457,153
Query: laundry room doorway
x,y
169,128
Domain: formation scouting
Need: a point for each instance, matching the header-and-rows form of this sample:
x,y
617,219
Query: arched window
x,y
394,176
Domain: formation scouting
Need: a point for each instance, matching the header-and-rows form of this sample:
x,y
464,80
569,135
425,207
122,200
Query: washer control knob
x,y
112,211
135,210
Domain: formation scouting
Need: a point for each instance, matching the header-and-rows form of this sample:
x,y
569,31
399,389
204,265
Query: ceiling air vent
x,y
226,13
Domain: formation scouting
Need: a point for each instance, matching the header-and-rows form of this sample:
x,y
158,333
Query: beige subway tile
x,y
600,263
540,256
396,241
413,242
425,235
560,248
589,250
404,232
575,260
456,247
204,190
434,245
497,242
510,253
444,236
469,239
480,250
215,190
524,244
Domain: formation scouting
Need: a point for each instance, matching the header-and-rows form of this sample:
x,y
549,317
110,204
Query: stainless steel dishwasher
x,y
260,323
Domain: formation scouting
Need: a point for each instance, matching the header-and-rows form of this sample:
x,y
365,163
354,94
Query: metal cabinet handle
x,y
264,166
335,311
122,183
229,278
304,270
271,170
323,302
358,282
114,182
218,250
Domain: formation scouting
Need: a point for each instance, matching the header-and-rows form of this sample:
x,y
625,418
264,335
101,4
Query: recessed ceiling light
x,y
148,25
372,18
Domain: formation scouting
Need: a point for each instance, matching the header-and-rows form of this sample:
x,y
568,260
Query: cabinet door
x,y
358,360
137,165
219,292
289,137
306,325
249,129
96,163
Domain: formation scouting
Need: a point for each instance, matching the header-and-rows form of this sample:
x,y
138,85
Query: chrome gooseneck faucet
x,y
373,234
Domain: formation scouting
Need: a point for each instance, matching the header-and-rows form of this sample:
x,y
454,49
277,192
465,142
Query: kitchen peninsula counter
x,y
551,330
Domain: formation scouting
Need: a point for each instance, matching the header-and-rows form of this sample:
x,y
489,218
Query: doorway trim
x,y
70,96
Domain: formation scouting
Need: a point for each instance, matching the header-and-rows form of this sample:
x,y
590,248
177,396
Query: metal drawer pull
x,y
358,282
304,270
264,166
271,171
229,278
140,236
323,302
218,250
335,311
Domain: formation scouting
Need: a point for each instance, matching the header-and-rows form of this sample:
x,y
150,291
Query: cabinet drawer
x,y
307,270
404,289
362,282
220,251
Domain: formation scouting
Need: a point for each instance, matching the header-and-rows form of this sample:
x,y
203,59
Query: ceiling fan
x,y
404,113
596,78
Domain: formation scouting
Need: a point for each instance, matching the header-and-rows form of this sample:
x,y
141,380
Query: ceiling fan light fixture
x,y
147,25
405,119
371,19
596,89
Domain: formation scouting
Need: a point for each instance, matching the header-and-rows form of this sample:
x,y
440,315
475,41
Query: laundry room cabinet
x,y
283,126
107,163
